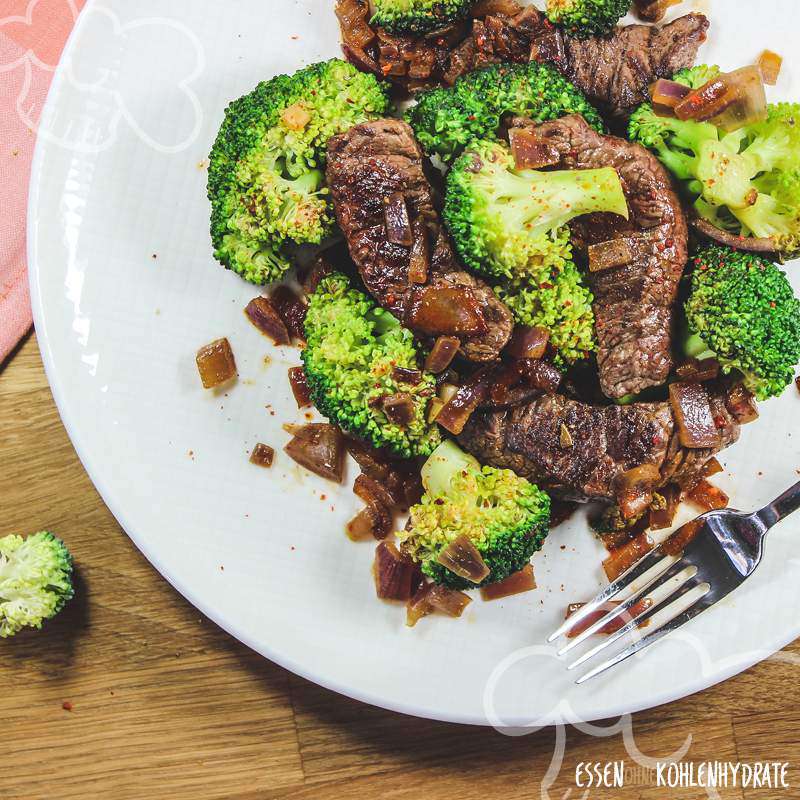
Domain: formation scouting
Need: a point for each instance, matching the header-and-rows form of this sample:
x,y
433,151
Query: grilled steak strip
x,y
633,303
614,71
606,442
367,166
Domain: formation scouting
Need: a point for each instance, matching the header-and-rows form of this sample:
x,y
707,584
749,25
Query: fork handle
x,y
784,505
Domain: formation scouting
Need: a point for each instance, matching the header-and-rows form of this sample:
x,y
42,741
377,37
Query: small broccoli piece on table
x,y
506,517
266,181
584,18
418,16
35,580
446,120
746,182
355,356
742,310
511,224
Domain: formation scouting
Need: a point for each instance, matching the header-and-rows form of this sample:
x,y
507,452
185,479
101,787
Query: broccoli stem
x,y
446,461
695,347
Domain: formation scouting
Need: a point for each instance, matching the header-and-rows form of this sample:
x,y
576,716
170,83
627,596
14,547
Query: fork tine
x,y
687,586
656,582
624,580
688,614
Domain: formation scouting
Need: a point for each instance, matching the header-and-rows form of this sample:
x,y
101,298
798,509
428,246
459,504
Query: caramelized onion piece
x,y
623,558
291,309
396,576
749,243
653,10
315,273
540,375
420,257
707,497
300,389
363,527
661,518
266,318
462,558
519,582
448,601
610,254
695,371
399,408
528,342
531,151
373,492
750,105
418,605
457,411
668,93
634,489
262,455
741,404
398,224
488,8
679,540
401,479
707,101
405,375
447,311
693,416
442,354
353,18
215,363
711,467
639,607
319,448
770,64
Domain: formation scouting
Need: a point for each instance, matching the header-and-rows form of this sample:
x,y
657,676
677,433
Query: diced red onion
x,y
623,558
707,497
541,375
530,151
215,363
399,408
518,582
448,601
396,576
266,318
653,10
442,354
668,93
291,309
677,543
741,404
318,447
457,411
462,558
770,64
300,388
262,455
528,342
693,416
447,311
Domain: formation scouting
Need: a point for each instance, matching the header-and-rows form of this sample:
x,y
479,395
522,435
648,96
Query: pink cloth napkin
x,y
32,35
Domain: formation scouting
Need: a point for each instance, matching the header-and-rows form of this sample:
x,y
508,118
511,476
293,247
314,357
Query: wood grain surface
x,y
166,705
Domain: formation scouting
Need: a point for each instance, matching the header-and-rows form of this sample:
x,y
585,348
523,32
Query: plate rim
x,y
115,505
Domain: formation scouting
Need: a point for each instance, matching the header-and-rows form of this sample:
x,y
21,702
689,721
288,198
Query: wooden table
x,y
166,705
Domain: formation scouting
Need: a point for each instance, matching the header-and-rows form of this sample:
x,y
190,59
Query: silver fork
x,y
722,555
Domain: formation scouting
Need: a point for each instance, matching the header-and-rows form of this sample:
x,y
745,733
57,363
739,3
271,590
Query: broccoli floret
x,y
745,182
266,181
35,580
695,77
509,222
353,353
446,120
418,16
585,18
563,305
742,310
506,517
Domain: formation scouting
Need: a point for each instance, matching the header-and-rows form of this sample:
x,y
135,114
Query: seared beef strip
x,y
614,71
633,303
606,441
367,166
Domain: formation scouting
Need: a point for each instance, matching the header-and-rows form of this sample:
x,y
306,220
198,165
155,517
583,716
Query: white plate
x,y
125,290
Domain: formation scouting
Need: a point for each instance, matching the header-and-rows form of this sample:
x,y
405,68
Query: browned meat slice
x,y
369,165
633,303
614,71
606,441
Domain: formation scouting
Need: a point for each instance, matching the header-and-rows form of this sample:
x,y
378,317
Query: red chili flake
x,y
66,705
386,69
772,304
719,421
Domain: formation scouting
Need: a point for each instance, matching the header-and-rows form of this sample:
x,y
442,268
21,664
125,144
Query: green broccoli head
x,y
35,580
509,222
697,76
354,357
745,182
562,304
506,517
446,120
418,16
742,309
585,18
265,177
